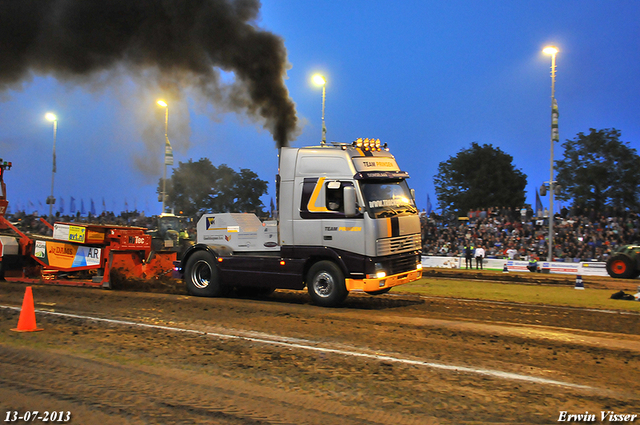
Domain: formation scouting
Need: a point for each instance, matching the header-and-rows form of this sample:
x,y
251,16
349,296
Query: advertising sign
x,y
583,268
375,164
95,236
68,232
65,256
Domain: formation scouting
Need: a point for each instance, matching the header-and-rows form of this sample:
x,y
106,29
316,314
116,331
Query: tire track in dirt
x,y
307,345
250,382
139,395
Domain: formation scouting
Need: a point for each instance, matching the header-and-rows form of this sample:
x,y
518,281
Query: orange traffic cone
x,y
27,321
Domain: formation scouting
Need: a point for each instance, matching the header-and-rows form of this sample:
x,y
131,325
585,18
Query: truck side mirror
x,y
413,195
349,193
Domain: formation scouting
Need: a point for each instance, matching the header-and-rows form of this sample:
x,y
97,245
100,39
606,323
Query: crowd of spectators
x,y
32,224
521,234
502,232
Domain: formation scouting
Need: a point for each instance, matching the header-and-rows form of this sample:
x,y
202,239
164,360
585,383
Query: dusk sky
x,y
426,77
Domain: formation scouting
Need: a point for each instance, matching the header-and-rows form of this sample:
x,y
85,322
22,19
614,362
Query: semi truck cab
x,y
347,221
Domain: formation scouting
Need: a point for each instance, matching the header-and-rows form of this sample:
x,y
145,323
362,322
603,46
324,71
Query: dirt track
x,y
387,359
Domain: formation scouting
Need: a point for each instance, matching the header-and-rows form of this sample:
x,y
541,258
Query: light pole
x,y
551,50
319,80
166,138
51,200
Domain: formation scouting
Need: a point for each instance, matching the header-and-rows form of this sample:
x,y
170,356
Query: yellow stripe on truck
x,y
311,206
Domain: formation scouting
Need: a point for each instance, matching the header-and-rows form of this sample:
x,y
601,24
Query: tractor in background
x,y
169,232
624,262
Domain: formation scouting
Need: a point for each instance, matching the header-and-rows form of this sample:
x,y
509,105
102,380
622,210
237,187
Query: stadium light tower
x,y
168,152
553,51
51,200
319,80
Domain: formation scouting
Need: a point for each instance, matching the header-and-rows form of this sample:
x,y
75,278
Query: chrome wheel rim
x,y
323,284
201,274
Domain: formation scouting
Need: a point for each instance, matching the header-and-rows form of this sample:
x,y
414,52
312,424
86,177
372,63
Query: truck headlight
x,y
378,273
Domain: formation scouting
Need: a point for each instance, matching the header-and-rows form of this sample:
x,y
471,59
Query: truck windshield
x,y
386,198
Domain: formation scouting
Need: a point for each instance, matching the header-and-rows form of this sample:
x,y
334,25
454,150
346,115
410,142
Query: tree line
x,y
195,188
597,171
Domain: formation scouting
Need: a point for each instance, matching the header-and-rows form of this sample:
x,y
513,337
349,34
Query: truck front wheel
x,y
621,266
325,283
202,276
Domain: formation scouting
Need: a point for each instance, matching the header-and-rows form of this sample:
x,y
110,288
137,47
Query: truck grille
x,y
400,264
399,244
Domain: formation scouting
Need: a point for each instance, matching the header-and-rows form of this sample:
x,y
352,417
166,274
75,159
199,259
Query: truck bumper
x,y
372,285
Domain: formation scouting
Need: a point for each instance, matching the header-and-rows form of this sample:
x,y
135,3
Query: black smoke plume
x,y
182,44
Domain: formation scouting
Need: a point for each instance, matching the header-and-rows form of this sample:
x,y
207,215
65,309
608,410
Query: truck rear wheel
x,y
325,283
621,266
202,276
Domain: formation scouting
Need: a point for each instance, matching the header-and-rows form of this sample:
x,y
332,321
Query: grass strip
x,y
531,294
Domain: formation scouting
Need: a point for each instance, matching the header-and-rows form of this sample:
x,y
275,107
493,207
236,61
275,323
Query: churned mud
x,y
156,355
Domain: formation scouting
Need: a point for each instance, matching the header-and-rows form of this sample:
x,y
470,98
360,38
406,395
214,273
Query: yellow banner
x,y
66,256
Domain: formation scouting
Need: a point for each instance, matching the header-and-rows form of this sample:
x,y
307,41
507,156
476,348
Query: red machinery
x,y
78,253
